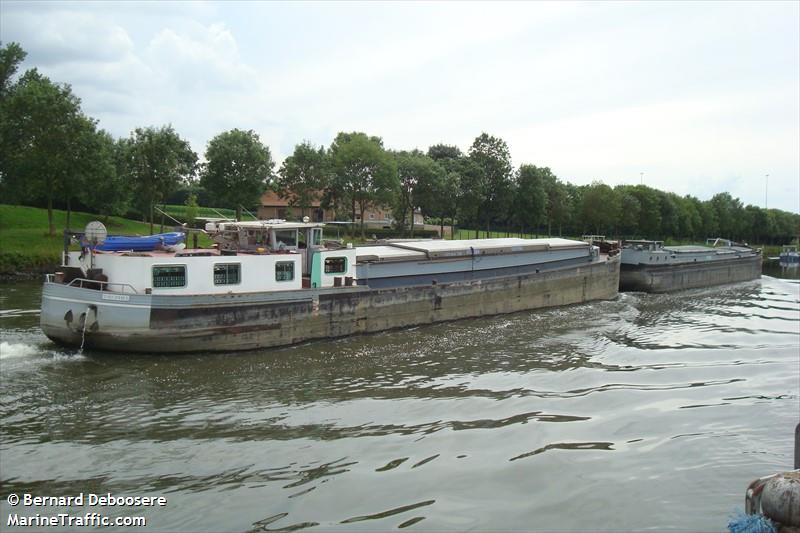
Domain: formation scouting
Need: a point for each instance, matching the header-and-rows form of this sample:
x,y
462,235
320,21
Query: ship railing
x,y
108,286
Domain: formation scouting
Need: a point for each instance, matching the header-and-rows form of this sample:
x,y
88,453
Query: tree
x,y
670,224
304,175
600,207
729,211
491,155
629,211
558,207
109,191
237,169
418,176
158,162
191,208
649,211
444,152
710,223
11,56
42,125
530,203
450,194
689,220
364,174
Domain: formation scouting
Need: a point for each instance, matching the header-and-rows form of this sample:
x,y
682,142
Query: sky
x,y
690,97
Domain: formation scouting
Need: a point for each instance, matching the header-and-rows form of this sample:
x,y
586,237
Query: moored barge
x,y
649,266
274,283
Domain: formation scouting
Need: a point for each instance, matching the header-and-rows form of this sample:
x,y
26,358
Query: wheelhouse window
x,y
284,271
169,276
286,237
227,273
335,265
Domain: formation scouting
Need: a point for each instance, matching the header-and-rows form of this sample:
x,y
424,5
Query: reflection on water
x,y
647,412
781,269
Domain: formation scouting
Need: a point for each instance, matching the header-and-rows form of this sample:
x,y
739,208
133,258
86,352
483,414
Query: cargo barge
x,y
649,266
274,283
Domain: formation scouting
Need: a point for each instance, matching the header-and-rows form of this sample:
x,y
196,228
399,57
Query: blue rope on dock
x,y
751,523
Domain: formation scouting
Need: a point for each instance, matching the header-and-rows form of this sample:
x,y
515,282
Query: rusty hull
x,y
243,324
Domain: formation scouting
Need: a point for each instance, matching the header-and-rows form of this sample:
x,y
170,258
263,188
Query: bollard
x,y
780,499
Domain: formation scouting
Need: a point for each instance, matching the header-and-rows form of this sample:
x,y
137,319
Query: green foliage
x,y
530,200
364,174
52,154
419,176
304,175
107,189
457,192
157,161
600,208
191,209
45,140
490,154
11,57
558,209
237,170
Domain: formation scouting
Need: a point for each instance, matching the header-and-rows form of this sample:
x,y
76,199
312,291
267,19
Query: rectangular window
x,y
335,265
284,271
171,276
286,237
227,273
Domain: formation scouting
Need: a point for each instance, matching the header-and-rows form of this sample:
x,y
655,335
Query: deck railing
x,y
83,283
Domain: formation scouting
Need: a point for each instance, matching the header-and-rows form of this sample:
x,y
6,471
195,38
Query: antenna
x,y
95,233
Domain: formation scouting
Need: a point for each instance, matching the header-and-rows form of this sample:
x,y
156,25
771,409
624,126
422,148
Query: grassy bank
x,y
25,245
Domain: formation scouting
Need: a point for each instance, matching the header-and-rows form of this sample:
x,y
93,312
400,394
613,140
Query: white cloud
x,y
700,97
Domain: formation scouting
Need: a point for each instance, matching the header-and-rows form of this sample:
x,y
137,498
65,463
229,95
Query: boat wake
x,y
12,351
18,355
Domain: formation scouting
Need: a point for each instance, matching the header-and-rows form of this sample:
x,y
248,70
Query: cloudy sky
x,y
699,97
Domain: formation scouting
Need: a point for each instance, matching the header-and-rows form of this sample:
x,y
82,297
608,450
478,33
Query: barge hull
x,y
675,277
164,324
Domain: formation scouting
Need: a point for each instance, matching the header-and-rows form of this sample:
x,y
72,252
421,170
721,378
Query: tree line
x,y
52,153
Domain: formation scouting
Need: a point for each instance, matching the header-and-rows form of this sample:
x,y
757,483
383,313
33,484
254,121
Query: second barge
x,y
649,266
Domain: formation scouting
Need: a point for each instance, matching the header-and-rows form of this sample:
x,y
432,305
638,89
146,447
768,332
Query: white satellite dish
x,y
95,232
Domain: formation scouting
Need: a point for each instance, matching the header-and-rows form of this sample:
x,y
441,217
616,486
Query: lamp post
x,y
766,189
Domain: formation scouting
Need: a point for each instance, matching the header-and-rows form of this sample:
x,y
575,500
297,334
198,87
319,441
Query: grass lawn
x,y
26,246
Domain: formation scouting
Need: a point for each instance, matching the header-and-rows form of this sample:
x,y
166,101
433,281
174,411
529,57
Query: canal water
x,y
650,412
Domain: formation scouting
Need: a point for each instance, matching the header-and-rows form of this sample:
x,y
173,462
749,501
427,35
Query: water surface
x,y
650,412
